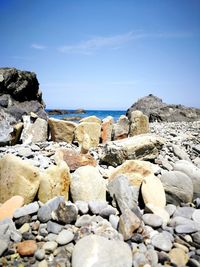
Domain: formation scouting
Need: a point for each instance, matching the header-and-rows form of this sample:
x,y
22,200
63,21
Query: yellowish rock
x,y
24,228
178,256
62,131
153,191
135,170
92,129
18,177
55,181
91,119
139,123
8,208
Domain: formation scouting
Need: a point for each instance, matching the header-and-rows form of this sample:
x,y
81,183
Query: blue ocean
x,y
98,113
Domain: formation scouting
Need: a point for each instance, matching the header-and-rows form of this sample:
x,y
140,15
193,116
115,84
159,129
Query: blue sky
x,y
105,54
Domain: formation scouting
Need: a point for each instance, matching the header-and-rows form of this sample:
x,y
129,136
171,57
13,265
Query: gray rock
x,y
82,206
114,220
84,220
180,153
3,246
186,229
44,214
196,216
191,171
24,152
139,259
65,237
53,227
40,254
178,187
196,237
26,210
15,236
185,212
170,208
109,210
107,253
96,206
152,220
162,242
51,237
124,194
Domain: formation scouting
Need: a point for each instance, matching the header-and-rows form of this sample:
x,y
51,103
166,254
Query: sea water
x,y
98,113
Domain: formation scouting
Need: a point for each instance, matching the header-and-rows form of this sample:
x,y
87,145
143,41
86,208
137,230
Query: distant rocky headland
x,y
128,189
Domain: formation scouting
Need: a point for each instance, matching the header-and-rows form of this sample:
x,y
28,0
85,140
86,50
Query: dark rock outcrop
x,y
157,110
19,95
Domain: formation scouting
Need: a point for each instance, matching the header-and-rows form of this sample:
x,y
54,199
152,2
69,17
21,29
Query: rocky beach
x,y
97,193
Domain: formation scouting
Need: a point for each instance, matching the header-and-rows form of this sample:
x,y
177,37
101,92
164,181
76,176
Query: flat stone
x,y
196,216
161,242
26,210
170,208
53,227
8,208
15,236
152,220
84,220
40,254
186,229
22,220
186,212
153,191
109,210
50,246
27,248
161,212
196,237
3,246
100,251
64,237
178,256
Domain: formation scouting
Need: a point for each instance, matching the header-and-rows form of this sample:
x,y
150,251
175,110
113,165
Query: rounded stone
x,y
178,256
152,220
40,254
64,237
50,246
162,242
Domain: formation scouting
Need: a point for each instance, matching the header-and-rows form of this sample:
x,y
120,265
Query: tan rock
x,y
178,256
92,129
135,170
86,144
18,177
91,119
62,131
87,184
153,191
106,129
158,211
55,181
27,248
17,130
34,132
74,159
8,208
139,123
128,224
121,128
24,228
143,147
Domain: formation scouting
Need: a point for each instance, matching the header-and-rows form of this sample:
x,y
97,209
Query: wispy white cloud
x,y
38,46
115,42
